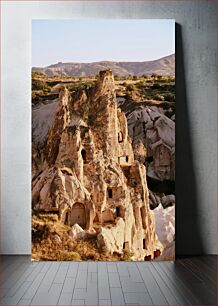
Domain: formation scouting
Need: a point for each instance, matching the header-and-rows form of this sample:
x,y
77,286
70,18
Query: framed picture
x,y
103,139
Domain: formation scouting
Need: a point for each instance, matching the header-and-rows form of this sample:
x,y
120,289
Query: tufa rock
x,y
157,133
77,232
89,175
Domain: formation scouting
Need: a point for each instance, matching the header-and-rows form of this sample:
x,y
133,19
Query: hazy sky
x,y
90,40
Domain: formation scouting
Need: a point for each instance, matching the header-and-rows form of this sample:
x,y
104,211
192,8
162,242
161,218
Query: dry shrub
x,y
51,241
68,256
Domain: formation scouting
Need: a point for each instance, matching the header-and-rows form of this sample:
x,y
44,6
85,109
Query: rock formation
x,y
89,175
157,133
165,224
153,142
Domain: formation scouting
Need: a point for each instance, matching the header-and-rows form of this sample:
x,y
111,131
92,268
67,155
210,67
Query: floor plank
x,y
183,291
187,281
48,298
177,292
103,282
155,292
208,273
204,291
14,300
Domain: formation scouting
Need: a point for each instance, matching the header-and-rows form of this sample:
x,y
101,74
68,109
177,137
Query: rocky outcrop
x,y
89,175
153,141
157,133
168,253
165,224
164,200
168,200
77,232
42,118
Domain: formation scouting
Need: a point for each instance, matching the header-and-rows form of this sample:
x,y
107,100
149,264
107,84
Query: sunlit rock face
x,y
88,174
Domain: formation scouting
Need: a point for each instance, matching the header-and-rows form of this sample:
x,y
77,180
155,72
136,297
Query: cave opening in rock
x,y
83,153
133,182
78,215
120,137
143,216
144,244
157,253
66,172
147,258
110,193
66,218
126,171
126,245
127,159
149,159
118,211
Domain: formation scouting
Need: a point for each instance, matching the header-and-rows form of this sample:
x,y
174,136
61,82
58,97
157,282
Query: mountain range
x,y
162,66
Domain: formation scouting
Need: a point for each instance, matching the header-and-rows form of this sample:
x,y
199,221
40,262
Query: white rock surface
x,y
168,253
157,133
112,239
77,232
42,117
165,224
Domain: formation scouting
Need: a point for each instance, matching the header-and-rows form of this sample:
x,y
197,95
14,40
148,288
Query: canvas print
x,y
103,140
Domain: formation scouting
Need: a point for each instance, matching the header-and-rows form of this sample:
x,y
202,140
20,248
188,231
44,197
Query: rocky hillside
x,y
162,66
86,172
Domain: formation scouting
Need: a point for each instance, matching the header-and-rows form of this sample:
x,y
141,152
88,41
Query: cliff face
x,y
154,130
89,175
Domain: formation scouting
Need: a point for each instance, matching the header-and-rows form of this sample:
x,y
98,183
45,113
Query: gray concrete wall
x,y
196,184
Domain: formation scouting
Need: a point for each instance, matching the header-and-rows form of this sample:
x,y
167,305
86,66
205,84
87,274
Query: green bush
x,y
37,74
159,97
154,75
149,81
130,87
40,85
141,84
156,86
170,97
117,78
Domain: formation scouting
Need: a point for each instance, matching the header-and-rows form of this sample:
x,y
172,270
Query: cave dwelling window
x,y
126,245
144,244
118,212
83,153
110,193
120,137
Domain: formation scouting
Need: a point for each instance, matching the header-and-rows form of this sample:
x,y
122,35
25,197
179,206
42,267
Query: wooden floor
x,y
188,281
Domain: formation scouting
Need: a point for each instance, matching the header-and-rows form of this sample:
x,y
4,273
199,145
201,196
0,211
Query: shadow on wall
x,y
189,240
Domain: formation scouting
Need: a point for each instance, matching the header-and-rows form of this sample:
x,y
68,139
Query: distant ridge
x,y
162,66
